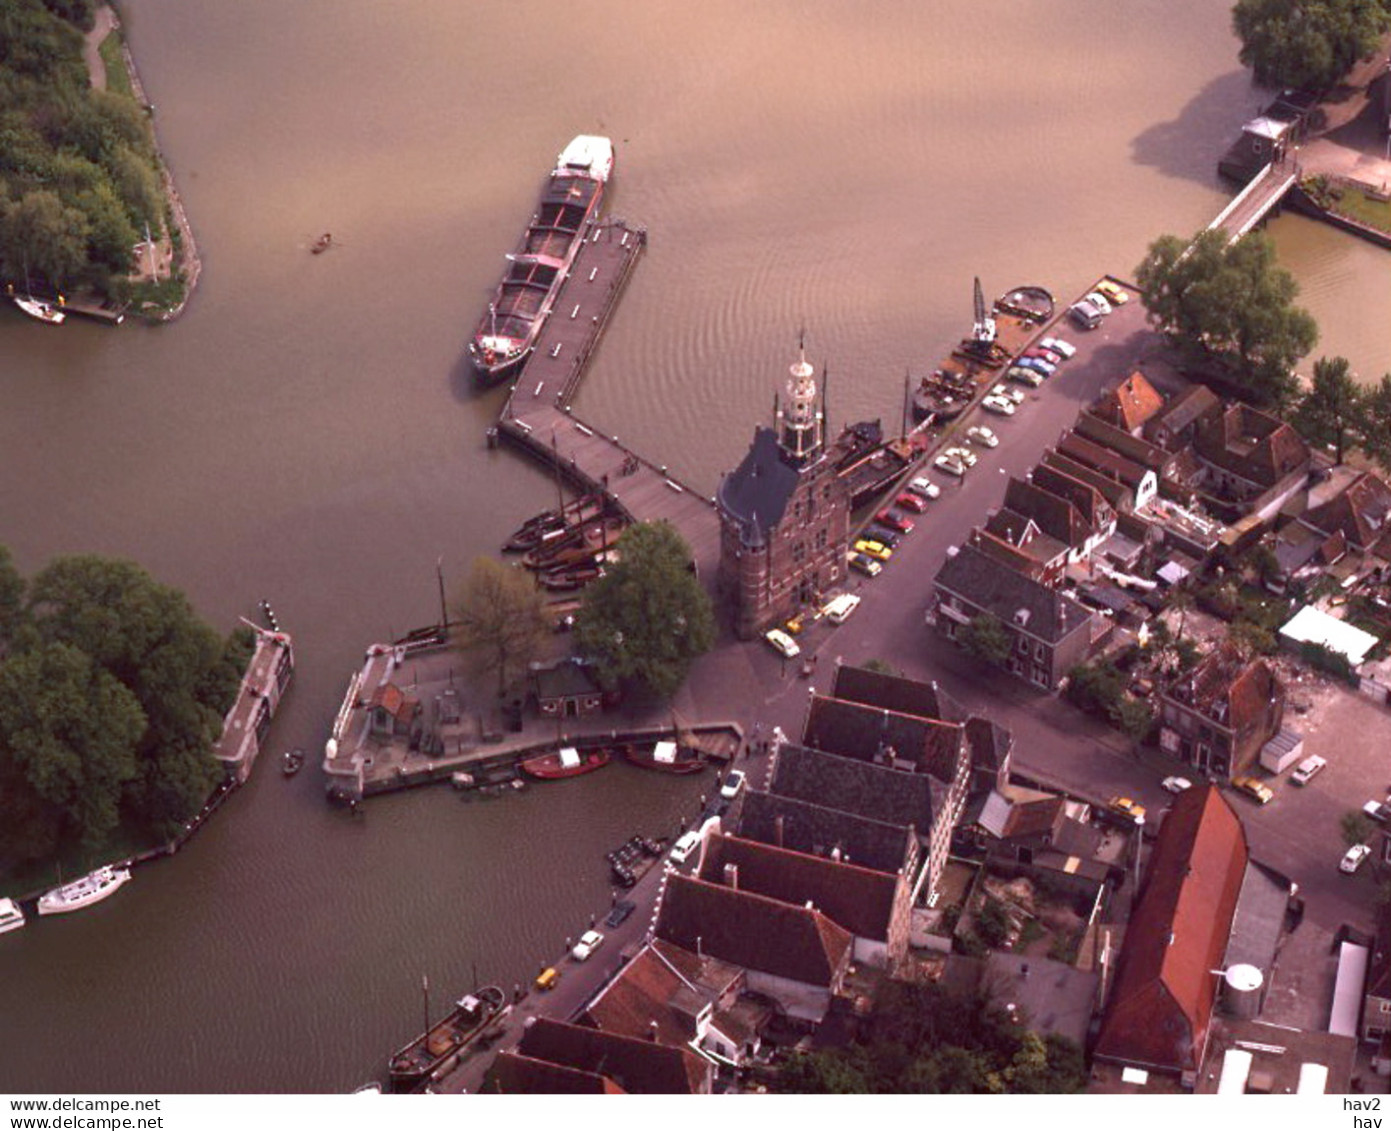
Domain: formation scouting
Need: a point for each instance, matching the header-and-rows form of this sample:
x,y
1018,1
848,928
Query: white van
x,y
685,844
1307,769
838,611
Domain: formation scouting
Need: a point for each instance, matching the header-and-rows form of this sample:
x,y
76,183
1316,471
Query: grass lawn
x,y
1359,206
117,77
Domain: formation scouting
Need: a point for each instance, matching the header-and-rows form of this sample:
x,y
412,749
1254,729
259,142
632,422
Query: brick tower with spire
x,y
784,513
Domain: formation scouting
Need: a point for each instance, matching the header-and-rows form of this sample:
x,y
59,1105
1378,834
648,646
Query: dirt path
x,y
91,47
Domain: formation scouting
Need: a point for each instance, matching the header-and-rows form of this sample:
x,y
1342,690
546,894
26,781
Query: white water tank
x,y
1241,990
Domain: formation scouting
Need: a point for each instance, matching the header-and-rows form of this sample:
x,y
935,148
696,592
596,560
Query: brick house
x,y
1218,716
1130,405
1159,1011
1049,633
784,514
557,1057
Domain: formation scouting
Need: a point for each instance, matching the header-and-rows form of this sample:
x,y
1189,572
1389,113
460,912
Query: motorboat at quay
x,y
11,917
567,762
538,268
669,757
412,1065
91,888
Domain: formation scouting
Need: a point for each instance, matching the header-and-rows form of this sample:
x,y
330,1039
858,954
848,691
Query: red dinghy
x,y
667,757
567,762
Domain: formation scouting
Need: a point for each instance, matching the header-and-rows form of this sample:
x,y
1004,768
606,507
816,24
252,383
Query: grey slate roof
x,y
896,797
807,827
983,582
756,492
896,693
854,730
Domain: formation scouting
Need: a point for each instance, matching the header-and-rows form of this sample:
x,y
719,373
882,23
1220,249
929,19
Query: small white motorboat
x,y
91,888
11,917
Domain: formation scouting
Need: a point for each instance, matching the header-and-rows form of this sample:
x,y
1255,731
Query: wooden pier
x,y
538,419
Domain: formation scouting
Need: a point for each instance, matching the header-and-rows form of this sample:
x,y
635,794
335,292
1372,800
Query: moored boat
x,y
37,308
553,524
567,762
537,269
412,1064
11,917
668,757
91,888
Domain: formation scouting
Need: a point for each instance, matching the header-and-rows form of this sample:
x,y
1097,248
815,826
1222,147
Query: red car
x,y
911,502
1045,354
894,521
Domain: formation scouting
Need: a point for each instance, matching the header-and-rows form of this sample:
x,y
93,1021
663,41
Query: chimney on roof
x,y
777,827
699,952
731,876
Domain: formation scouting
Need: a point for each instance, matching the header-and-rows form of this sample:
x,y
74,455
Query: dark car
x,y
621,910
883,534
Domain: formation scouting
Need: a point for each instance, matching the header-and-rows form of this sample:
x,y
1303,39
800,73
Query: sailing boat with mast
x,y
36,308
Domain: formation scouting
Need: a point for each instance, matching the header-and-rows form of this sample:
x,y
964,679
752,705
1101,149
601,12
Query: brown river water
x,y
307,433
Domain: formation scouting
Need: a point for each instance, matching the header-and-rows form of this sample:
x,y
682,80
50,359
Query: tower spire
x,y
801,424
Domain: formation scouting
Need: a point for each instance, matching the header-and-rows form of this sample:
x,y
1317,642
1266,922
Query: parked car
x,y
1176,785
1098,300
1044,354
1307,769
1015,395
1059,345
963,455
1086,315
1029,377
876,550
924,486
895,521
685,845
1000,406
1256,790
1124,807
781,643
1047,368
547,979
589,942
910,501
838,609
1377,811
620,912
733,783
1353,858
980,434
950,465
876,533
1114,293
860,563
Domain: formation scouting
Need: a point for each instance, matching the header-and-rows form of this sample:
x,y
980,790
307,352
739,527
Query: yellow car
x,y
875,550
1127,808
1256,790
1114,292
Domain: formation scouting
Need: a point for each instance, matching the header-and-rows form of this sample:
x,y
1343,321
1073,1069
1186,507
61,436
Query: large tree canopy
x,y
112,693
1307,44
1229,308
500,616
647,618
1330,411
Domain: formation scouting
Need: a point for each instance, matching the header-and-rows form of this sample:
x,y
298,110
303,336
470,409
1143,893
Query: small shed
x,y
566,688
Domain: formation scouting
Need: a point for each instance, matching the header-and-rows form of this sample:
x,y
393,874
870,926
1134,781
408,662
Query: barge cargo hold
x,y
537,269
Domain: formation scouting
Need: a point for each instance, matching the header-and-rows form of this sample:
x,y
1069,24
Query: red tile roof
x,y
753,931
859,899
639,1067
1161,1005
512,1074
1130,403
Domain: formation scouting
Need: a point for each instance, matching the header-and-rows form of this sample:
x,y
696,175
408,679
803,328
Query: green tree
x,y
985,638
11,599
46,236
1356,827
1229,308
501,618
1375,423
69,730
1330,412
147,636
1307,44
647,618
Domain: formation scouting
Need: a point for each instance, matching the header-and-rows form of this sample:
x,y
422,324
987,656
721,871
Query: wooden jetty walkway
x,y
1258,199
538,418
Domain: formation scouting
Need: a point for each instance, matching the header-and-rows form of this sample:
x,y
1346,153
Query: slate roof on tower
x,y
756,493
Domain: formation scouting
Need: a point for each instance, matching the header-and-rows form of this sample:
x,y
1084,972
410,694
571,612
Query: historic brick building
x,y
784,513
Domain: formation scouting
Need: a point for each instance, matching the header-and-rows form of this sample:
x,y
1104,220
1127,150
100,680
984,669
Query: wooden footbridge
x,y
538,417
1258,199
